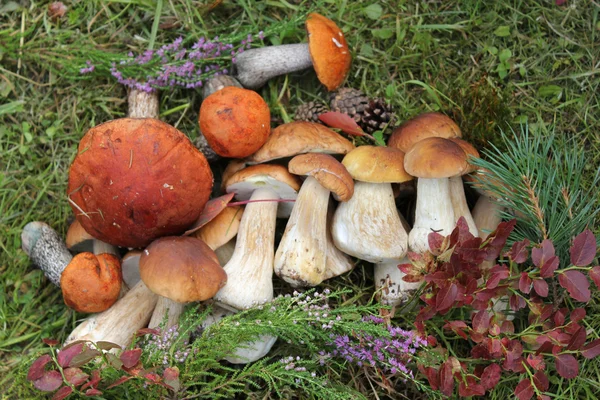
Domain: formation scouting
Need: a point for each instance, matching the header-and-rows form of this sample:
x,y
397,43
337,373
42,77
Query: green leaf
x,y
390,91
378,135
549,91
382,33
374,11
502,31
504,55
12,107
366,50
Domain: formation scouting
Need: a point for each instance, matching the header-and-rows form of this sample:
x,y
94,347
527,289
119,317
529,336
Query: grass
x,y
487,64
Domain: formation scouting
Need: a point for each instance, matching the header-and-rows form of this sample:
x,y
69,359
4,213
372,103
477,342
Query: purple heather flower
x,y
90,68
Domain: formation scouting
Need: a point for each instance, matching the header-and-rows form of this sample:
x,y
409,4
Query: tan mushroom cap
x,y
469,150
328,50
222,228
300,137
275,177
182,269
328,171
232,167
91,283
78,240
432,124
436,158
376,164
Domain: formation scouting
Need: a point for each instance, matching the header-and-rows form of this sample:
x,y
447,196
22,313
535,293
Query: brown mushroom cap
x,y
436,158
328,50
232,167
300,137
469,150
222,228
91,283
276,177
432,124
376,164
236,122
78,240
328,171
134,180
182,268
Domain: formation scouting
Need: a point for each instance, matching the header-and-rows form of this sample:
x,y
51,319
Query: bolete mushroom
x,y
134,180
326,50
457,189
301,257
235,122
180,269
431,124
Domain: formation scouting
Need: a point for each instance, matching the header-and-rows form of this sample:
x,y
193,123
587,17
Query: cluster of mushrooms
x,y
138,183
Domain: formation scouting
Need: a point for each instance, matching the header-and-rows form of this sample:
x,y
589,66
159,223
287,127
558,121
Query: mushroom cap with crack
x,y
328,50
432,124
300,137
222,228
182,269
328,171
436,158
235,121
274,177
376,164
91,283
134,180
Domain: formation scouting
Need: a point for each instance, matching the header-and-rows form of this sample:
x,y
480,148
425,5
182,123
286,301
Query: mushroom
x,y
134,180
298,137
180,269
326,50
79,241
431,124
236,122
337,262
130,267
433,160
250,268
90,283
301,256
368,225
222,228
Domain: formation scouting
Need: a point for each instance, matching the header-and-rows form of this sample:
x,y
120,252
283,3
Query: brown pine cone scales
x,y
310,111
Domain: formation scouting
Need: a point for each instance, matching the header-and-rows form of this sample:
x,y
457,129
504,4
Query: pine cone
x,y
310,111
376,116
349,101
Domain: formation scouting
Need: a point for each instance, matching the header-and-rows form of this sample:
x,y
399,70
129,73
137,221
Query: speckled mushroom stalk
x,y
46,249
327,51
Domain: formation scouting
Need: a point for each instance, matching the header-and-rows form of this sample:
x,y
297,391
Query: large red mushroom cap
x,y
236,122
134,180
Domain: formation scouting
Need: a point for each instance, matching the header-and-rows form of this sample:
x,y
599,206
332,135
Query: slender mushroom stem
x,y
46,249
143,104
172,309
254,67
459,204
434,212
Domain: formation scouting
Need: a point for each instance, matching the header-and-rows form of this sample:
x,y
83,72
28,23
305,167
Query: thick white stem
x,y
253,68
250,270
459,204
119,323
301,256
142,104
337,263
368,225
169,307
388,281
433,213
100,247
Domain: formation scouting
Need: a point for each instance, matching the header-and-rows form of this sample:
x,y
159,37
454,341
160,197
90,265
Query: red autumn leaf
x,y
541,287
130,358
120,381
62,393
540,380
536,362
147,331
171,377
432,377
37,369
93,392
212,208
525,283
577,339
84,357
540,255
50,342
591,349
457,327
75,376
497,239
470,387
560,316
507,327
491,376
49,382
497,273
92,383
519,252
576,284
524,390
595,275
583,249
446,297
67,353
567,366
446,378
577,314
341,121
516,302
436,243
481,321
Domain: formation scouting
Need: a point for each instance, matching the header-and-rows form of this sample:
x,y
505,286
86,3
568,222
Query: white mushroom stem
x,y
119,323
100,247
143,104
46,249
168,307
487,214
434,212
368,225
250,269
337,263
388,282
459,204
254,67
301,256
